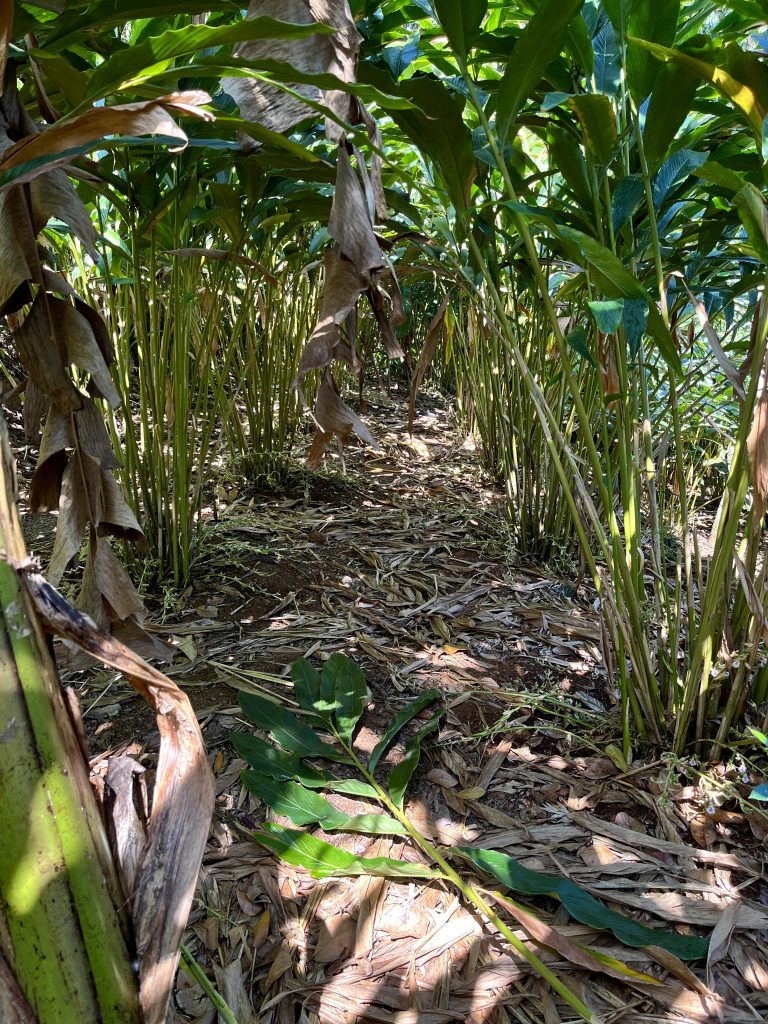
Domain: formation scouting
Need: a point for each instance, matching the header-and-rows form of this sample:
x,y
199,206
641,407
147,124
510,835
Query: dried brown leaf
x,y
148,117
182,802
319,54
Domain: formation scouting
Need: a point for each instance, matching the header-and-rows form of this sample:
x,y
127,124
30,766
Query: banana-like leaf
x,y
304,807
306,687
581,906
267,759
401,774
134,64
738,92
344,678
536,47
627,197
290,733
401,719
656,22
323,860
461,21
598,123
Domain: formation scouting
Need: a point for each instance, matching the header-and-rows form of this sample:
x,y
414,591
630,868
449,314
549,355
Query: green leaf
x,y
607,314
461,21
289,732
760,792
581,906
627,197
720,175
598,123
754,216
401,774
738,92
280,765
660,333
135,63
265,758
670,103
401,719
435,125
323,860
613,277
618,15
635,323
344,678
535,48
305,807
577,340
307,686
656,22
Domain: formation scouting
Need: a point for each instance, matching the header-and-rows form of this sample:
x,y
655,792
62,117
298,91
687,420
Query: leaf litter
x,y
402,564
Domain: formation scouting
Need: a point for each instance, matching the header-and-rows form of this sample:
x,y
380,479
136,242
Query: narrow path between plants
x,y
402,562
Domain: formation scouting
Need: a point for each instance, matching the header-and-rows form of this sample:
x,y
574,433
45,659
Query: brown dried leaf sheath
x,y
181,808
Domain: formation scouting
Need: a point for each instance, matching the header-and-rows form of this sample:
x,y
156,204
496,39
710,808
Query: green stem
x,y
469,892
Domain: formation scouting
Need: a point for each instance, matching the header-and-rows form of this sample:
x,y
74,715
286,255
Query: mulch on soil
x,y
402,562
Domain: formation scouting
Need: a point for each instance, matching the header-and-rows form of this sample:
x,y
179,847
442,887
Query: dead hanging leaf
x,y
271,106
182,802
343,285
350,224
609,373
149,117
426,356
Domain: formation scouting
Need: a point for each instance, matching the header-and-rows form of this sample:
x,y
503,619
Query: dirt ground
x,y
401,559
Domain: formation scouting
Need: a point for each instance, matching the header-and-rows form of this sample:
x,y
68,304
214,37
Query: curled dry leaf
x,y
163,884
318,54
54,146
358,200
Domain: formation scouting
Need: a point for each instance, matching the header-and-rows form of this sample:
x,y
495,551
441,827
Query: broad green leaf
x,y
136,63
323,860
580,45
754,216
306,687
635,323
567,156
670,103
760,792
435,126
607,314
401,774
598,123
280,765
70,26
536,47
581,906
302,806
400,58
618,14
345,679
305,807
577,340
660,333
266,758
720,175
682,163
401,719
656,22
461,21
614,279
280,72
289,732
739,93
606,77
626,199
